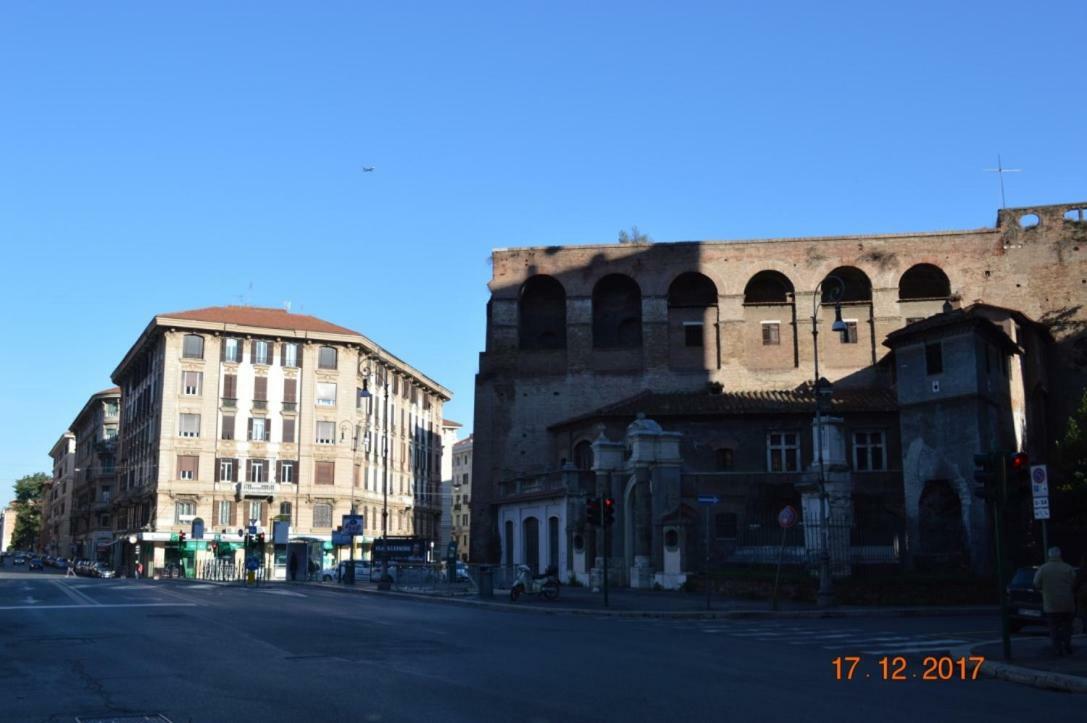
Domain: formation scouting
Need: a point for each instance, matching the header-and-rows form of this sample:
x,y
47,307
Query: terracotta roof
x,y
259,316
111,390
704,404
451,423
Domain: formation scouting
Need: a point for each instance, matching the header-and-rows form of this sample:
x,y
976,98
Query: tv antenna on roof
x,y
1000,170
287,306
244,299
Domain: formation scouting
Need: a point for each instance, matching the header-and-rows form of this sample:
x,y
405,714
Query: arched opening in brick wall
x,y
617,313
541,314
858,287
692,322
768,287
583,455
924,281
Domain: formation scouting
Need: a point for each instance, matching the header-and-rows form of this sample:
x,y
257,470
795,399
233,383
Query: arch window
x,y
768,287
857,286
692,290
924,281
617,313
541,313
583,455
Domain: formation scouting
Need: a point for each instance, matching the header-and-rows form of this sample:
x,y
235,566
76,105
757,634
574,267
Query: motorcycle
x,y
546,584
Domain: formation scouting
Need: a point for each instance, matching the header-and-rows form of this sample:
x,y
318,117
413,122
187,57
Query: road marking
x,y
930,645
97,606
74,594
282,592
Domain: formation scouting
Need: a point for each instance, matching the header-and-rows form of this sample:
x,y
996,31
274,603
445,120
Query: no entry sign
x,y
788,517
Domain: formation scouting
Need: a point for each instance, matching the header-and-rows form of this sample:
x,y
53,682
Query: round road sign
x,y
788,517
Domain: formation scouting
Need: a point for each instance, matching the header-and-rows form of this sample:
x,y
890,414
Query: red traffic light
x,y
181,536
1018,462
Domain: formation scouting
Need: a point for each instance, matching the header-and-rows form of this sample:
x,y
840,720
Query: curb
x,y
1044,679
743,614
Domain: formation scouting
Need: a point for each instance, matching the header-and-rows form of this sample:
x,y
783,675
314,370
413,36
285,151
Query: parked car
x,y
102,570
1024,600
19,560
35,564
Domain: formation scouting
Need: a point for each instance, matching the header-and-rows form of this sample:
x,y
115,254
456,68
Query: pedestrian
x,y
293,566
139,570
1056,579
71,570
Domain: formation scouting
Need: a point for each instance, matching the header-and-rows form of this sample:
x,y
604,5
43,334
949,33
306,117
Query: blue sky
x,y
160,158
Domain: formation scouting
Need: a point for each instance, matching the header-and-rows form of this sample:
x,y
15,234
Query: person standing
x,y
1056,580
71,570
293,566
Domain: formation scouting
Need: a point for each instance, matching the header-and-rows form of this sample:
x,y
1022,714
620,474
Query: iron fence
x,y
762,541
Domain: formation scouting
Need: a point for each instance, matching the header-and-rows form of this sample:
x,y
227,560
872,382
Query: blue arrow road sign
x,y
708,500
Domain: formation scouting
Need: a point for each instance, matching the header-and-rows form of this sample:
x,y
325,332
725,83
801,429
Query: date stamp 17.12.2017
x,y
932,667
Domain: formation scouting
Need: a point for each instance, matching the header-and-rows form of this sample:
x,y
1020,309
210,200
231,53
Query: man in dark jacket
x,y
1056,580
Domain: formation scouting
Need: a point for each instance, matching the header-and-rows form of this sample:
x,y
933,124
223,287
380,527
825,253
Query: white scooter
x,y
529,584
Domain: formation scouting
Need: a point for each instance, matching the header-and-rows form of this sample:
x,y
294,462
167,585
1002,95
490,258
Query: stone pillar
x,y
641,572
836,479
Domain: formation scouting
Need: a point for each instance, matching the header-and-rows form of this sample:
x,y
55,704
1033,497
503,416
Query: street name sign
x,y
708,500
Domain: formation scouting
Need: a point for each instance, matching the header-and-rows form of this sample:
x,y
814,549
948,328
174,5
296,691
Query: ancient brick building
x,y
571,330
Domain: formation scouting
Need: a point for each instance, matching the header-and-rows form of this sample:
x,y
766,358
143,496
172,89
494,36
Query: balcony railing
x,y
260,404
290,406
230,402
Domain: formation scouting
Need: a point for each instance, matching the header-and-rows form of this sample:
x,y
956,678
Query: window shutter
x,y
218,469
260,388
233,513
264,514
253,351
290,390
283,354
215,513
222,348
279,471
230,383
249,433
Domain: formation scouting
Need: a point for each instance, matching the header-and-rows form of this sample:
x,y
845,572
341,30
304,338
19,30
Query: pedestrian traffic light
x,y
260,538
592,510
181,536
609,511
985,477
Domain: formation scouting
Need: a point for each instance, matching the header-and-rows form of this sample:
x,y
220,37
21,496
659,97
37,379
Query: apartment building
x,y
462,496
237,416
450,432
56,532
7,527
95,429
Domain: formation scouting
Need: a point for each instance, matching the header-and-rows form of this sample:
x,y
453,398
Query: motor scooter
x,y
546,584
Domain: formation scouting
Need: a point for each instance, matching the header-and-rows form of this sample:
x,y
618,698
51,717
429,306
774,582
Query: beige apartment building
x,y
95,429
7,527
462,496
238,416
56,533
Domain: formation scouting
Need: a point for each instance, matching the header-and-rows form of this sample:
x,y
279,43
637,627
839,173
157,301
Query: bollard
x,y
486,583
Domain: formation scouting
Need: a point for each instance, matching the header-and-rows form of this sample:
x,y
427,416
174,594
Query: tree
x,y
1070,493
28,510
634,237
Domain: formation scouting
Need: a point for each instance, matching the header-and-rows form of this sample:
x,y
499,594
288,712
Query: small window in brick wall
x,y
693,334
934,359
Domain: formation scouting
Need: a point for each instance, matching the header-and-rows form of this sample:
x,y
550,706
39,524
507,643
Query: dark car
x,y
19,560
1024,601
35,564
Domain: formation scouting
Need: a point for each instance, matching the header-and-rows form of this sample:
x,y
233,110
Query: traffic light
x,y
592,510
609,511
985,477
260,538
181,537
1017,474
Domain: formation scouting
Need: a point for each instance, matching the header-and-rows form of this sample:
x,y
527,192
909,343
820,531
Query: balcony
x,y
256,489
290,406
260,404
230,403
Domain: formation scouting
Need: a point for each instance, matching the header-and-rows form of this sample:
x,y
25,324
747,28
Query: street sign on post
x,y
786,518
1039,492
352,525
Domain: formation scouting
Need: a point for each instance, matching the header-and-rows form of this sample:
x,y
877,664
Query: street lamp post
x,y
823,394
385,582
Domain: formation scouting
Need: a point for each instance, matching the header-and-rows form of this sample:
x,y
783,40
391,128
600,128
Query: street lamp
x,y
385,582
824,392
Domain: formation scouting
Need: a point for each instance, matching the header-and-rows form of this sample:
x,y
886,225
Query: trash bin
x,y
486,583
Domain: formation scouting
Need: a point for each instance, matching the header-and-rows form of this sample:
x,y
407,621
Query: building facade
x,y
233,417
462,497
7,527
450,432
572,330
95,428
56,533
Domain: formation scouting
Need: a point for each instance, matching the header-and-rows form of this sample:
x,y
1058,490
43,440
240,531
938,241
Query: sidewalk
x,y
654,604
1034,663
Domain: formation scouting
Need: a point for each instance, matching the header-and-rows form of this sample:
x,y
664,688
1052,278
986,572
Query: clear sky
x,y
158,158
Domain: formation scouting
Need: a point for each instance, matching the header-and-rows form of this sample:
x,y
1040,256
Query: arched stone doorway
x,y
530,528
942,540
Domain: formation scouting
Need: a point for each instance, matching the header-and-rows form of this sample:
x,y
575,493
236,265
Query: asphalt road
x,y
81,647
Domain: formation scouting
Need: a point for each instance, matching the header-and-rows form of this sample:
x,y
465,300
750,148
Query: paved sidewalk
x,y
650,603
1034,663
